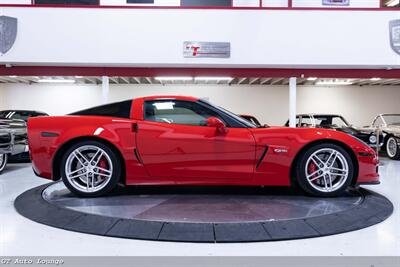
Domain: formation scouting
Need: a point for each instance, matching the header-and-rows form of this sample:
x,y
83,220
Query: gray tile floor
x,y
20,236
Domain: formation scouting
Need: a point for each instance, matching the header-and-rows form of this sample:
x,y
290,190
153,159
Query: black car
x,y
337,122
22,115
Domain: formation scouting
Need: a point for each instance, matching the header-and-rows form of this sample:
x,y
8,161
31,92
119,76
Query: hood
x,y
12,124
350,130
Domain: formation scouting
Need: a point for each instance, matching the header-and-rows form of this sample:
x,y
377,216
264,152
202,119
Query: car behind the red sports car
x,y
168,140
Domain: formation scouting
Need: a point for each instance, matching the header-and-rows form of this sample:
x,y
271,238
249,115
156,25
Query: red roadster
x,y
175,140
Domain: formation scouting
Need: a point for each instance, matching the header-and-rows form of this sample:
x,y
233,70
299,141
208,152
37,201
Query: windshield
x,y
330,121
392,119
4,114
232,115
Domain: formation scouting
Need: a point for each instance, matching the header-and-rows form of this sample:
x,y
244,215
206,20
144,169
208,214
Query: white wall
x,y
269,103
156,3
352,4
16,2
154,37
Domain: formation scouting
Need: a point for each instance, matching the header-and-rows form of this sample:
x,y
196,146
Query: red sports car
x,y
176,140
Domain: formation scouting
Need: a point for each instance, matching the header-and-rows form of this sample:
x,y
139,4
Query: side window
x,y
338,122
177,112
306,121
20,116
378,122
119,109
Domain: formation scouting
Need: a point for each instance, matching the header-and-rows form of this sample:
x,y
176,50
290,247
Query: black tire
x,y
301,176
4,162
394,151
115,174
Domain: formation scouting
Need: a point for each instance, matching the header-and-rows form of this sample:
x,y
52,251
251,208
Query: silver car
x,y
13,139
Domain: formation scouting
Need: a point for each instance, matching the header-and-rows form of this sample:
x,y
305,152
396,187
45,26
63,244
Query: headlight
x,y
372,139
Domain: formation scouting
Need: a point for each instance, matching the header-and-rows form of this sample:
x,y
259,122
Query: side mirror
x,y
217,123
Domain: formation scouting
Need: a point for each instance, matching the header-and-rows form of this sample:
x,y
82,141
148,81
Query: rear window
x,y
119,109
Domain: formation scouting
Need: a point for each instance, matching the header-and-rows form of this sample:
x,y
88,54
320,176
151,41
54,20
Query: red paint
x,y
197,155
192,72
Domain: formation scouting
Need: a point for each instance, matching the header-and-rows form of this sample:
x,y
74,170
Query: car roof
x,y
316,114
175,97
21,110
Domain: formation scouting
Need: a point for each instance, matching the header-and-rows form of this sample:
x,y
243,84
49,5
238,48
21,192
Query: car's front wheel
x,y
90,169
3,161
392,148
325,170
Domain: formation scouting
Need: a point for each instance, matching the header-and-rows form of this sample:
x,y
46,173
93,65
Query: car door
x,y
174,141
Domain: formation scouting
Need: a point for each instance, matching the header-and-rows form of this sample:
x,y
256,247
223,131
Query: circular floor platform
x,y
198,214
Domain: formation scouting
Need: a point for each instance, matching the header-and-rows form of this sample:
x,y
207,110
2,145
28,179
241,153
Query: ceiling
x,y
232,81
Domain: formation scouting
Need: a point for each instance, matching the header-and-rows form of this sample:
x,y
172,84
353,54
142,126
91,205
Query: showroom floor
x,y
20,236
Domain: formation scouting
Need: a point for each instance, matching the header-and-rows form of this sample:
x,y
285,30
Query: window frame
x,y
149,102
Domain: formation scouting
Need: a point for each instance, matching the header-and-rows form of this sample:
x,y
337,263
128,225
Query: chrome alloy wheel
x,y
327,170
88,168
391,147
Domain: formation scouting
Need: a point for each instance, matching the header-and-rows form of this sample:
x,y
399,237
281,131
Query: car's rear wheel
x,y
325,170
392,148
3,161
90,169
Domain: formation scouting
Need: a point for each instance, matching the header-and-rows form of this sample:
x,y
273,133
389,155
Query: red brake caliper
x,y
312,168
102,164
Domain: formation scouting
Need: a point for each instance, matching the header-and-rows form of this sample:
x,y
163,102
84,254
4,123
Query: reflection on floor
x,y
204,204
20,236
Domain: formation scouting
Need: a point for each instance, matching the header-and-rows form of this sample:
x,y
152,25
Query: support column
x,y
292,101
105,89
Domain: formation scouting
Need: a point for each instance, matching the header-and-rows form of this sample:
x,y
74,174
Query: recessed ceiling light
x,y
13,76
393,3
336,82
78,77
375,79
173,78
55,81
312,78
213,78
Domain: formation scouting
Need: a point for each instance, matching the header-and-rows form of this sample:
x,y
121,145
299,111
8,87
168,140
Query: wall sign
x,y
336,2
193,49
394,27
8,33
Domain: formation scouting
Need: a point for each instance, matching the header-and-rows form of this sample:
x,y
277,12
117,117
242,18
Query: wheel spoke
x,y
312,174
339,174
104,170
318,162
333,160
102,174
315,178
338,170
329,158
73,172
75,176
78,155
326,183
94,156
87,182
330,182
